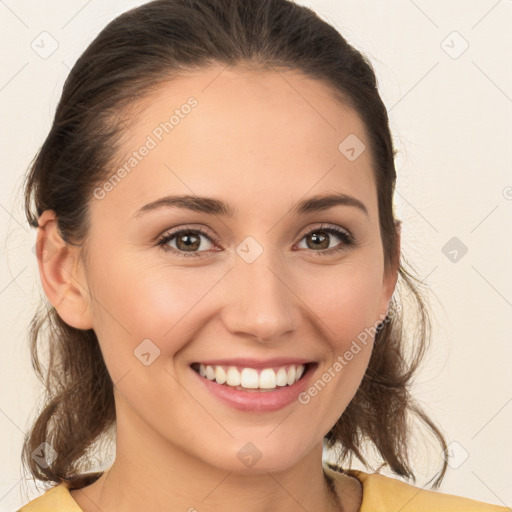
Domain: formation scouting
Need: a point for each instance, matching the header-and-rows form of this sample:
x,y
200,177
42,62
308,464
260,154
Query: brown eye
x,y
319,239
187,242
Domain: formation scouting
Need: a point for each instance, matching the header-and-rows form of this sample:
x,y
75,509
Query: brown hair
x,y
130,58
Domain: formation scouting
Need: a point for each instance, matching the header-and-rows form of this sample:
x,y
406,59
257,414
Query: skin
x,y
253,135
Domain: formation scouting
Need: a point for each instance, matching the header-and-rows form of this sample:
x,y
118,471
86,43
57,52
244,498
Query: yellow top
x,y
380,494
385,494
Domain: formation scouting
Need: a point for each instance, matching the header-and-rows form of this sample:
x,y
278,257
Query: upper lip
x,y
255,363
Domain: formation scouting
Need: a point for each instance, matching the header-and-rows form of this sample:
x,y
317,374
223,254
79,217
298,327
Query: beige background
x,y
451,116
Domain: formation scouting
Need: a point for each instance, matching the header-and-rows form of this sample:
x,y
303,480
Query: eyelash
x,y
346,237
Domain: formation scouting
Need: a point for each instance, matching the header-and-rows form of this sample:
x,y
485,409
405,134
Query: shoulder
x,y
56,499
385,494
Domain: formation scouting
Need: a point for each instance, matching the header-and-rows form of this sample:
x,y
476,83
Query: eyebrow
x,y
212,206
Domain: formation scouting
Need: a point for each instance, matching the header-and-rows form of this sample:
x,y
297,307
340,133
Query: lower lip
x,y
258,401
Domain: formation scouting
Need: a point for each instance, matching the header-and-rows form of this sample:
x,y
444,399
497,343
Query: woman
x,y
217,242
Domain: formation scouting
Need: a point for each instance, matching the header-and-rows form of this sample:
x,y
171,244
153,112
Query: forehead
x,y
241,135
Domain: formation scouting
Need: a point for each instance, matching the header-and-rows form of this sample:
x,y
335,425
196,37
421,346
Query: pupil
x,y
317,237
189,240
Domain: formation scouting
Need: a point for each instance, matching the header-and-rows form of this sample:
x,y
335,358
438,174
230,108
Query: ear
x,y
62,275
391,275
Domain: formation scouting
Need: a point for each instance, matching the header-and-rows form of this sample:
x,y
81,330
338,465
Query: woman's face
x,y
264,283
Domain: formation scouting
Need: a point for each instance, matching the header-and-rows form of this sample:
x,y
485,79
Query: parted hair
x,y
134,54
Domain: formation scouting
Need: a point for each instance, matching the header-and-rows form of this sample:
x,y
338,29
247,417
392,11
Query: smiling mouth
x,y
252,379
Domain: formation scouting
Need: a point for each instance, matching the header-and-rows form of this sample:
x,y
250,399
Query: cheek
x,y
348,308
142,319
140,301
346,300
152,301
347,303
168,306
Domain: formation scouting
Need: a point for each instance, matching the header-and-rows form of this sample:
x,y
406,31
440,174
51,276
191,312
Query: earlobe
x,y
61,275
391,275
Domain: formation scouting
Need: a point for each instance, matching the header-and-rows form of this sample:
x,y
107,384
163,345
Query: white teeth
x,y
249,378
267,379
281,377
220,375
233,377
291,375
210,373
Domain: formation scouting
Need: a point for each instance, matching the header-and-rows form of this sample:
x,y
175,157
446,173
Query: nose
x,y
260,303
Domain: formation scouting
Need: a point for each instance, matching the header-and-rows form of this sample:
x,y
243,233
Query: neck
x,y
150,473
